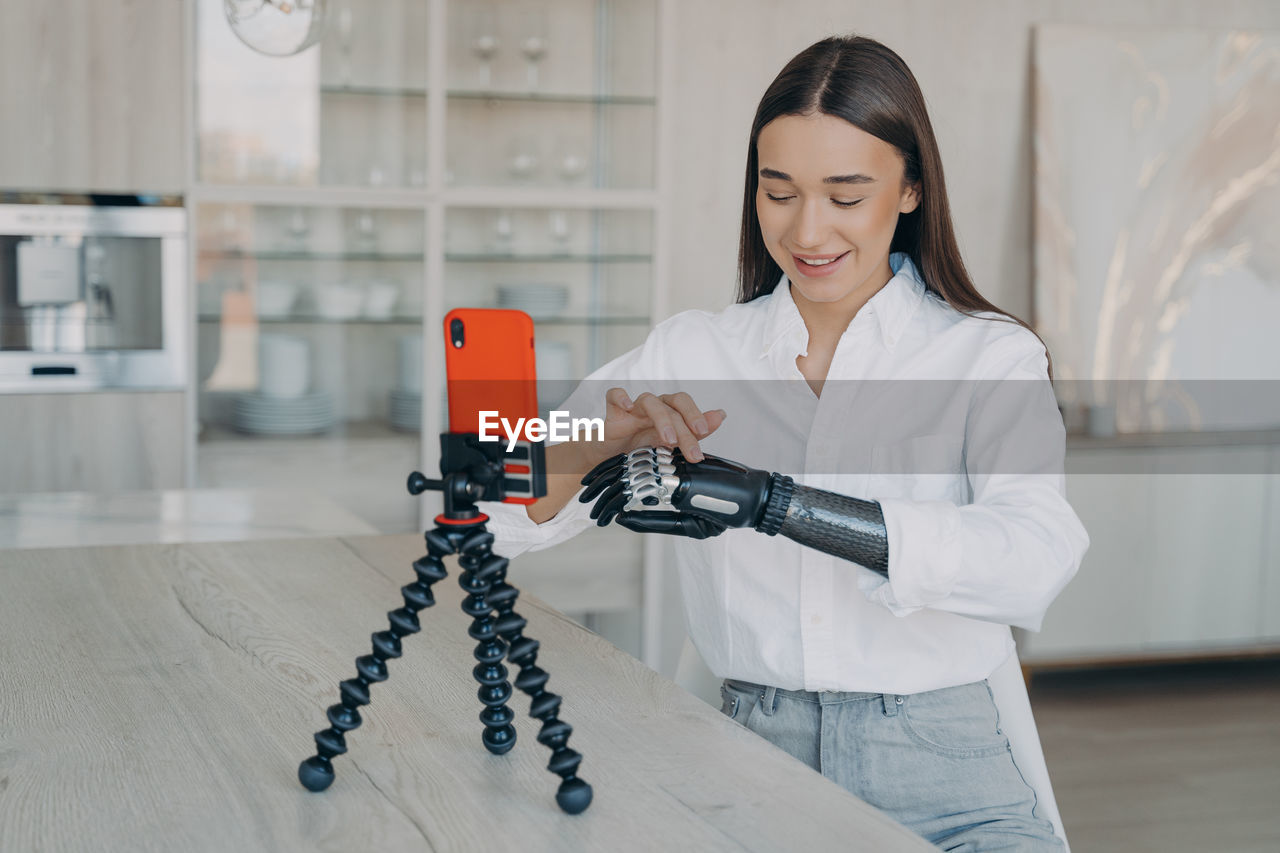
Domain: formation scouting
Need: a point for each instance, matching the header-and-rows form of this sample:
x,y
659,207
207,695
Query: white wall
x,y
972,59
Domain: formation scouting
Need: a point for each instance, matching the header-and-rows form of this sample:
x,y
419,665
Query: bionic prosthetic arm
x,y
655,490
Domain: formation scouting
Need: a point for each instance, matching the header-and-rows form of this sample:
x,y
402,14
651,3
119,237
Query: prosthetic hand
x,y
655,490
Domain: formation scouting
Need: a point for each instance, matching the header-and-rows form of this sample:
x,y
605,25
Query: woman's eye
x,y
773,197
847,203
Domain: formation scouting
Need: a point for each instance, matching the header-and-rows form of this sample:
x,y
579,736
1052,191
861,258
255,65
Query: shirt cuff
x,y
924,555
514,532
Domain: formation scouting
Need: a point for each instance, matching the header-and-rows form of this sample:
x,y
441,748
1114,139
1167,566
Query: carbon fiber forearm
x,y
848,528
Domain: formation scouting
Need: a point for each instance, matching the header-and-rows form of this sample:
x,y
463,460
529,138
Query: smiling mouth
x,y
817,263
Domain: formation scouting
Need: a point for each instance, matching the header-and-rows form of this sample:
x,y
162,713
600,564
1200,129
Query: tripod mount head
x,y
473,470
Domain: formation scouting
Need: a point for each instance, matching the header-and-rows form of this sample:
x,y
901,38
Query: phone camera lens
x,y
456,333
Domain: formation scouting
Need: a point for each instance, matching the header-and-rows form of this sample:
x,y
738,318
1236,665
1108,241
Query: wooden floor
x,y
1172,758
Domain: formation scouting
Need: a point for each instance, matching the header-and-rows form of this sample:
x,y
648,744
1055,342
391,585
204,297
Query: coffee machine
x,y
92,293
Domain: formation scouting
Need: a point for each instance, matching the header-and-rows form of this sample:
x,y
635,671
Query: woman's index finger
x,y
619,397
688,409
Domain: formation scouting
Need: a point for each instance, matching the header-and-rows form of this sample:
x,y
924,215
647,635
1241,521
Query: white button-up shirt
x,y
948,421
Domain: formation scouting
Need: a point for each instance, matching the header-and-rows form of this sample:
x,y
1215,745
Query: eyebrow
x,y
834,179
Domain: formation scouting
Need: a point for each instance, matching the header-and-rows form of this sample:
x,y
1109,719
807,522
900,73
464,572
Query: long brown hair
x,y
868,85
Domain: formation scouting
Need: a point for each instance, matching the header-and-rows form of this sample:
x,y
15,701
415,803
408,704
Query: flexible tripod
x,y
472,471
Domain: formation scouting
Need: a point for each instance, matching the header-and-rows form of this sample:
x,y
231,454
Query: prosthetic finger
x,y
611,502
612,462
677,523
599,484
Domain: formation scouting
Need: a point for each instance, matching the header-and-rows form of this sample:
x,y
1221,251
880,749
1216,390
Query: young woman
x,y
896,499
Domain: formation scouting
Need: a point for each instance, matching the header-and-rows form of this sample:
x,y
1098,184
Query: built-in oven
x,y
93,294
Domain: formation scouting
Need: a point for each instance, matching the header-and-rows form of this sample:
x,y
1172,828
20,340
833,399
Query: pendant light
x,y
276,27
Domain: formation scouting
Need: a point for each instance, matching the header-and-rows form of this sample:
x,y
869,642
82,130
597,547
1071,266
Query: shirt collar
x,y
893,305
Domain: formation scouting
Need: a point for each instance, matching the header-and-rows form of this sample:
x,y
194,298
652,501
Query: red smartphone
x,y
489,358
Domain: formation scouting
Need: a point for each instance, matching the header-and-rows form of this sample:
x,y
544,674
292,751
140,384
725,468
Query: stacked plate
x,y
406,410
540,301
266,415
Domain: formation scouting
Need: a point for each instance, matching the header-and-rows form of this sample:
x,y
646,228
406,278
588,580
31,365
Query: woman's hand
x,y
667,420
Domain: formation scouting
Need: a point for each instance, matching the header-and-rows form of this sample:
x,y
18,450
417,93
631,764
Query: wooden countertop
x,y
65,519
160,697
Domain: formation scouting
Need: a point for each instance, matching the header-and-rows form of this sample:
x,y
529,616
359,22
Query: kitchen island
x,y
160,697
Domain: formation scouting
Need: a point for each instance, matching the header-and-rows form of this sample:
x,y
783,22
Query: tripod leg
x,y
316,773
479,568
574,794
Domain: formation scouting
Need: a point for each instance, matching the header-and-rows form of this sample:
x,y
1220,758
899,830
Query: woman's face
x,y
828,201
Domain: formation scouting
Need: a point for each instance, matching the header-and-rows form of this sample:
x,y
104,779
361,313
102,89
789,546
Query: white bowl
x,y
276,298
380,300
339,301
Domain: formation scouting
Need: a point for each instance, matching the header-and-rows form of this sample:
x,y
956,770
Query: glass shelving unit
x,y
551,93
309,341
428,154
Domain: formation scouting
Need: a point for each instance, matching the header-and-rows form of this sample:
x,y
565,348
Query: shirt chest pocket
x,y
923,468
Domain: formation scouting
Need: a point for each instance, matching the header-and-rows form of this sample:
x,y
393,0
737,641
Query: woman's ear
x,y
910,198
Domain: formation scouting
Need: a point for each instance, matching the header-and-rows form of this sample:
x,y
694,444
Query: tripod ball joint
x,y
573,796
316,773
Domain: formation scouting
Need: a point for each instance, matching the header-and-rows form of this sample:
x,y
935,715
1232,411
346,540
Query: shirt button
x,y
815,619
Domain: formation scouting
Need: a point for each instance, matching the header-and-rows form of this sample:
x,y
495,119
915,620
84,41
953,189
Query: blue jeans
x,y
936,762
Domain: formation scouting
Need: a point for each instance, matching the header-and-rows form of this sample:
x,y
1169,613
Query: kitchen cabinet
x,y
1207,534
92,94
425,156
100,442
1269,600
1195,573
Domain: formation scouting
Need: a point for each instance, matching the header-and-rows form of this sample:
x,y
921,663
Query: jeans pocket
x,y
958,722
738,701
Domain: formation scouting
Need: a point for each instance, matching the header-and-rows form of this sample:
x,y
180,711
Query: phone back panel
x,y
494,368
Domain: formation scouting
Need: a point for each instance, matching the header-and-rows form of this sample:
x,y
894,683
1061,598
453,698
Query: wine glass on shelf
x,y
572,167
560,231
523,160
366,237
345,25
571,163
484,44
522,165
504,233
534,49
299,228
534,43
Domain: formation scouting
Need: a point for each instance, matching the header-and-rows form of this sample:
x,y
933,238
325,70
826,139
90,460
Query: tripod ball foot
x,y
316,773
500,740
573,796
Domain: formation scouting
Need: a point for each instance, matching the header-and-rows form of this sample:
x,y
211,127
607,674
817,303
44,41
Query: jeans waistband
x,y
824,697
